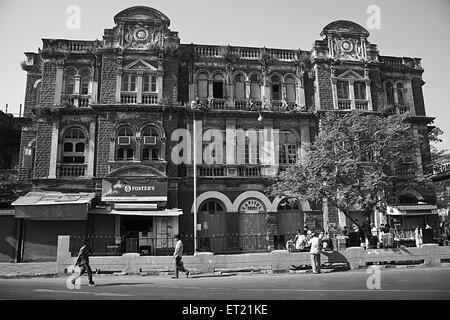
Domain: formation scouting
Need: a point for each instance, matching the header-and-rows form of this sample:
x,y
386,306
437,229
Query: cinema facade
x,y
102,135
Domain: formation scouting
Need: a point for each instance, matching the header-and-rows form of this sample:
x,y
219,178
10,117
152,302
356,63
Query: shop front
x,y
43,216
144,221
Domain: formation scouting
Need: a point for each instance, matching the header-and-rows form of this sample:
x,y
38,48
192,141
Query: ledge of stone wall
x,y
277,261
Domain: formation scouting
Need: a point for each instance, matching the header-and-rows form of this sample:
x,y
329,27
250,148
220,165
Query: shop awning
x,y
156,213
7,212
412,210
53,206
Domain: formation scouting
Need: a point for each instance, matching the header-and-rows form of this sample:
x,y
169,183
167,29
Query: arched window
x,y
85,79
288,147
74,142
400,97
128,82
255,88
202,86
390,93
151,144
212,206
275,88
125,144
290,89
218,86
69,87
239,87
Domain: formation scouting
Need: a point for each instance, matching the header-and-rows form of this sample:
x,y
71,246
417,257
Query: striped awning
x,y
412,210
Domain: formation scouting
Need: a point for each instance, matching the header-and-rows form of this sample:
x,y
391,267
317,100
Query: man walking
x,y
316,245
83,263
178,255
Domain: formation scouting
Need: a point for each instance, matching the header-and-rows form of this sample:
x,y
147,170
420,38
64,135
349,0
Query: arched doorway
x,y
253,226
213,220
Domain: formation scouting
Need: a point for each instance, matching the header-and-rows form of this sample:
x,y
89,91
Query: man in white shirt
x,y
178,256
316,246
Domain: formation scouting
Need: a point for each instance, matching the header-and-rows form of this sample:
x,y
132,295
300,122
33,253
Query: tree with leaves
x,y
353,162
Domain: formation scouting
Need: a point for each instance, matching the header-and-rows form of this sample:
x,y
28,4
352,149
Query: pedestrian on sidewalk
x,y
178,256
83,263
316,245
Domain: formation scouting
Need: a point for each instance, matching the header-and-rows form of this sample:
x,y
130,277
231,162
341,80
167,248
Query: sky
x,y
409,28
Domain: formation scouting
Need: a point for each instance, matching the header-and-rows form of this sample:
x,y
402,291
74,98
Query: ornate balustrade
x,y
149,98
70,170
361,105
75,100
75,46
344,105
128,98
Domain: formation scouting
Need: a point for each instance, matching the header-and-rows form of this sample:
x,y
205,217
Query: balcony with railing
x,y
344,104
218,104
401,62
70,170
76,100
149,98
246,53
361,105
71,46
128,97
211,171
245,170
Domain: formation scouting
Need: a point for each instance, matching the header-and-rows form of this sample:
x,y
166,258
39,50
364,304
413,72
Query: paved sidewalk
x,y
27,269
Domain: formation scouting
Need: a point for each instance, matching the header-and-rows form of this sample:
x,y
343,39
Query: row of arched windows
x,y
276,84
126,144
71,86
74,145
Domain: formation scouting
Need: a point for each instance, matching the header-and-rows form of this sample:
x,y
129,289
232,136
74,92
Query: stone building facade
x,y
106,118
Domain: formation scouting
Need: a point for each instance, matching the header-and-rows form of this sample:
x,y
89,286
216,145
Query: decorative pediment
x,y
350,75
137,170
140,65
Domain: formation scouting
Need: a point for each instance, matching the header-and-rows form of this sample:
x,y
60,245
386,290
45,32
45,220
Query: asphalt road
x,y
391,284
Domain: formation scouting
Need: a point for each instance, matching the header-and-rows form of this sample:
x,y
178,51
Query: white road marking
x,y
345,290
108,294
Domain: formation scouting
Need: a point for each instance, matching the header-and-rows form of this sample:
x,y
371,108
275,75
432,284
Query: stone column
x,y
210,89
58,84
159,86
408,96
351,90
369,96
91,150
230,144
335,96
54,151
139,87
300,86
118,86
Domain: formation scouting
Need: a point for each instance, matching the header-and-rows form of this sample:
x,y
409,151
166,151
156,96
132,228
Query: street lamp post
x,y
193,104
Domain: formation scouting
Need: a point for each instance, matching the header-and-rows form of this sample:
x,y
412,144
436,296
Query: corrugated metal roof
x,y
416,207
46,198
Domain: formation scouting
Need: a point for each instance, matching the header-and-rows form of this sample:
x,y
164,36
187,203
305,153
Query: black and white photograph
x,y
215,158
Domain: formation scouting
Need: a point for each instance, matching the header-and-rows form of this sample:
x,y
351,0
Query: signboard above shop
x,y
134,189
